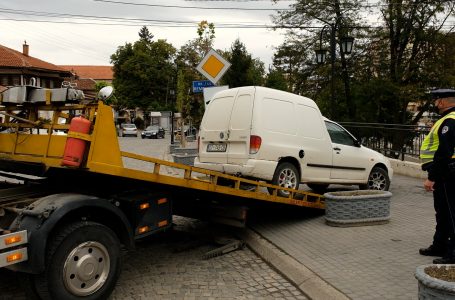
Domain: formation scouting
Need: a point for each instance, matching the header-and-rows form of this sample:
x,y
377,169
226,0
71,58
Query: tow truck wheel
x,y
83,261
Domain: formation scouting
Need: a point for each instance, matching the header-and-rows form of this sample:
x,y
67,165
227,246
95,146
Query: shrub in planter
x,y
436,281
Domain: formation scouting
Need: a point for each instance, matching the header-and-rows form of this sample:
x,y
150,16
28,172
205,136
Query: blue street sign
x,y
198,86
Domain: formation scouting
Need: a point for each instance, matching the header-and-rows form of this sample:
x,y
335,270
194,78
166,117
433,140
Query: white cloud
x,y
61,43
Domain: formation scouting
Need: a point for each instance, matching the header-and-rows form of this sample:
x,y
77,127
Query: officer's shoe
x,y
444,260
433,250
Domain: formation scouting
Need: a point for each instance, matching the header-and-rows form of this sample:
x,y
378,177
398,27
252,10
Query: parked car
x,y
127,129
282,138
187,130
153,132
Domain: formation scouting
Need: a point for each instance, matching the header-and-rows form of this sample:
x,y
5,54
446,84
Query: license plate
x,y
216,147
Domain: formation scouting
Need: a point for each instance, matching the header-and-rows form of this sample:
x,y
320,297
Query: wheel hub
x,y
86,268
377,182
287,179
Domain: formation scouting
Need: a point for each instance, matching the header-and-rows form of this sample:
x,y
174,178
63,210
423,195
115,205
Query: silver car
x,y
128,130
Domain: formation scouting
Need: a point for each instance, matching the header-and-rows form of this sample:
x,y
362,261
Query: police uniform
x,y
438,157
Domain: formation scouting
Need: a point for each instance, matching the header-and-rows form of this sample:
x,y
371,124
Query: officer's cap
x,y
442,93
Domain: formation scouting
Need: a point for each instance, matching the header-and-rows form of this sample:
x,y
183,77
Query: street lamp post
x,y
321,54
171,93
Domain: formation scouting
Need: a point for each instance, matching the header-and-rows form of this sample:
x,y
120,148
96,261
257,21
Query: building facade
x,y
19,68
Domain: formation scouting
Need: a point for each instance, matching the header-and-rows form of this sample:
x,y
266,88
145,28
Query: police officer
x,y
438,157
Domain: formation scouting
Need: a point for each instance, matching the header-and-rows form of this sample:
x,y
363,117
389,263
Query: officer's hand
x,y
428,185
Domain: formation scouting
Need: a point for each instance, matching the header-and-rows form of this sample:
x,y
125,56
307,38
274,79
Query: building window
x,y
16,80
4,80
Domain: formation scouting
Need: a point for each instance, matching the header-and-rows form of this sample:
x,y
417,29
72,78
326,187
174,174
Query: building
x,y
19,68
85,77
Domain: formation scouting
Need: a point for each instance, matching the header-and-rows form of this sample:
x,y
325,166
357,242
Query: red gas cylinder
x,y
75,148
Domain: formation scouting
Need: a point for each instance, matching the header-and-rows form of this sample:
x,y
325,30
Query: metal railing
x,y
392,140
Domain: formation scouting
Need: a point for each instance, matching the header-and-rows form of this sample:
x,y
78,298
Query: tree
x,y
189,56
244,69
276,80
310,22
142,72
414,31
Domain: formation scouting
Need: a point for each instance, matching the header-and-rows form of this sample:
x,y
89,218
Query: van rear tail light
x,y
255,144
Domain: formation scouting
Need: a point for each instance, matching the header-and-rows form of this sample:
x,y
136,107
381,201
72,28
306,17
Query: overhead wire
x,y
191,7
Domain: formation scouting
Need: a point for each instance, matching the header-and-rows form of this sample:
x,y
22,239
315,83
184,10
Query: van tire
x,y
377,180
286,175
318,188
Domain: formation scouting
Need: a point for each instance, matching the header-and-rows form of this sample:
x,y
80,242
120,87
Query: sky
x,y
56,39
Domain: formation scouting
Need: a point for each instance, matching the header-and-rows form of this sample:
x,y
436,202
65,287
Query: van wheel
x,y
318,188
286,175
82,260
377,180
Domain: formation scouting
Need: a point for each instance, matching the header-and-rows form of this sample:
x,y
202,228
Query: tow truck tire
x,y
83,261
286,175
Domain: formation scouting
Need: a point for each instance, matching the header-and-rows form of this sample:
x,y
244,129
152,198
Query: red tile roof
x,y
84,84
91,72
15,59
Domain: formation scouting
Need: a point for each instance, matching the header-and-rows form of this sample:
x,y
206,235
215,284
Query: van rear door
x,y
214,130
240,127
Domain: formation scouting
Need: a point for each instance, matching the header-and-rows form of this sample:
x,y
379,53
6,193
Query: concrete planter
x,y
174,146
186,159
357,208
434,288
189,151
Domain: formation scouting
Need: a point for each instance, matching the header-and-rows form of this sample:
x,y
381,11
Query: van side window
x,y
339,135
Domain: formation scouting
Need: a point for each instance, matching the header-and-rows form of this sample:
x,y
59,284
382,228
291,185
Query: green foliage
x,y
139,122
142,72
191,105
276,80
389,68
244,70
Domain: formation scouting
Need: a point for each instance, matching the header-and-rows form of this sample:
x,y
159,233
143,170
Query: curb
x,y
309,283
407,168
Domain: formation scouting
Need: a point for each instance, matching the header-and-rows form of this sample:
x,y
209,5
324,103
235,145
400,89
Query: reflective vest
x,y
431,142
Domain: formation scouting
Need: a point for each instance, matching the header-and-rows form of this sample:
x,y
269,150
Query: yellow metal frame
x,y
104,155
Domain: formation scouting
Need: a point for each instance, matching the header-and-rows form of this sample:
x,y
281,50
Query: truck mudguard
x,y
41,217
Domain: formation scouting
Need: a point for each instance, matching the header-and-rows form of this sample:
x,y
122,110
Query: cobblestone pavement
x,y
170,265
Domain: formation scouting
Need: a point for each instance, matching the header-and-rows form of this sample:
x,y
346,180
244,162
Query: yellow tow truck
x,y
67,224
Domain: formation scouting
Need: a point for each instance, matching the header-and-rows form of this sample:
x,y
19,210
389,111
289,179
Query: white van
x,y
282,138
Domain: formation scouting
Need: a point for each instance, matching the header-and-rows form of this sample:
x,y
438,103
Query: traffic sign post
x,y
213,66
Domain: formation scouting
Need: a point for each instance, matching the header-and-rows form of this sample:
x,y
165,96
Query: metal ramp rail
x,y
21,140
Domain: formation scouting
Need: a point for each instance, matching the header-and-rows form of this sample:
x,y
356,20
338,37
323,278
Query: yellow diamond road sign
x,y
213,66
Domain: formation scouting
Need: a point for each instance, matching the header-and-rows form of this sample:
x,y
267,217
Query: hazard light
x,y
143,229
255,144
13,240
14,257
144,206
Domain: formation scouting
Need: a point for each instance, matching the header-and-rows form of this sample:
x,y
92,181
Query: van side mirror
x,y
357,143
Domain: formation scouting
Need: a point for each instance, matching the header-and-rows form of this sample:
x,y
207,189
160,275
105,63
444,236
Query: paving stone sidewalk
x,y
367,262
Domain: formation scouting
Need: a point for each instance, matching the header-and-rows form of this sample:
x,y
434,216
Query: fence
x,y
392,140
